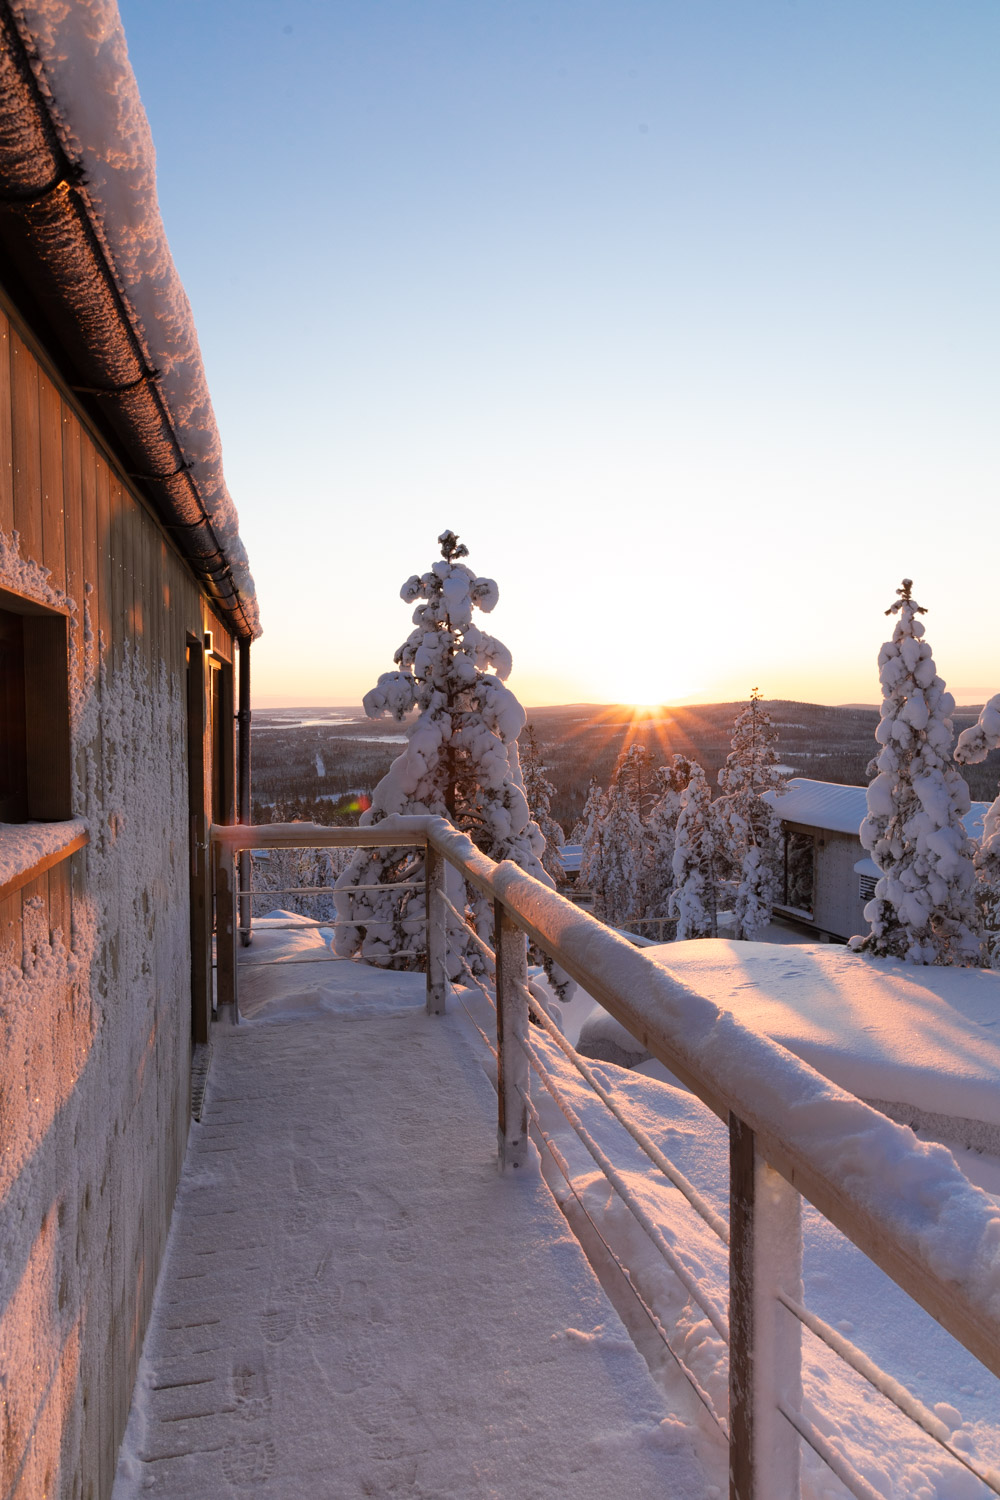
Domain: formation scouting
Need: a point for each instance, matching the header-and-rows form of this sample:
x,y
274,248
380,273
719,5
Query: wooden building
x,y
124,605
827,875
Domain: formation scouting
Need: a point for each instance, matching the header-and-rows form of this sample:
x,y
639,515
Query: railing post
x,y
437,933
246,900
765,1257
225,928
511,948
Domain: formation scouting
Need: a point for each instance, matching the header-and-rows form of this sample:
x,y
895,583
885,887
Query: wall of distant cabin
x,y
838,907
95,953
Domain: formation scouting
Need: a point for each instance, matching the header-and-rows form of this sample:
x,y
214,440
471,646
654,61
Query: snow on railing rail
x,y
792,1133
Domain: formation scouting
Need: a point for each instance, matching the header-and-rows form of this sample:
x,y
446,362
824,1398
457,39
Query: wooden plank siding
x,y
50,430
26,449
100,1176
6,433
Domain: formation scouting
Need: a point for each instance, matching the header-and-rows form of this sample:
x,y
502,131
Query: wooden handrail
x,y
721,1061
390,833
801,1125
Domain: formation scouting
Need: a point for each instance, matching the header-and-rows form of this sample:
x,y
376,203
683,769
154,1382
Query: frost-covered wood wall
x,y
95,952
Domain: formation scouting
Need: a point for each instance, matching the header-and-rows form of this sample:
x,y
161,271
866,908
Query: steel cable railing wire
x,y
902,1399
701,1206
603,1161
855,1483
654,1321
486,994
690,1283
471,931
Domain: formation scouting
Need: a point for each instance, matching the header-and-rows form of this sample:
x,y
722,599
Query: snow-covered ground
x,y
308,1014
904,1034
354,1301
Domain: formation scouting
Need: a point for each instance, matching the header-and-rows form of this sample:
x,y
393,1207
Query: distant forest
x,y
312,763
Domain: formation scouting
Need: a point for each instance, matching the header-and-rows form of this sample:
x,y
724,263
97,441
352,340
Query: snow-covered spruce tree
x,y
539,791
973,746
924,908
460,762
589,828
750,828
621,843
693,900
636,777
671,782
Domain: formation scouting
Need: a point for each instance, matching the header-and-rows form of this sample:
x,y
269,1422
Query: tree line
x,y
656,844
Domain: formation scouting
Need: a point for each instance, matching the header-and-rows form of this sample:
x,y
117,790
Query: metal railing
x,y
787,1125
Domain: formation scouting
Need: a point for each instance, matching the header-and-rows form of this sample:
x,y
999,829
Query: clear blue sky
x,y
683,314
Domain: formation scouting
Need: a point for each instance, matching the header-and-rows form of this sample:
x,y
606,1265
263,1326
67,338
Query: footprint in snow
x,y
249,1462
277,1323
253,1398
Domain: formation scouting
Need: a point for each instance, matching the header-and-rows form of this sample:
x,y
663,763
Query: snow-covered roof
x,y
842,809
571,856
77,159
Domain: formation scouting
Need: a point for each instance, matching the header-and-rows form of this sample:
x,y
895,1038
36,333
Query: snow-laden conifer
x,y
460,762
589,828
613,856
539,792
750,828
694,900
974,745
671,782
924,908
621,846
637,780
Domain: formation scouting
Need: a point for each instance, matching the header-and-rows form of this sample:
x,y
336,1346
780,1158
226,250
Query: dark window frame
x,y
799,881
36,780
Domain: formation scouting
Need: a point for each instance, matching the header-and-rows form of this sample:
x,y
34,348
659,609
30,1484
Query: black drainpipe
x,y
243,753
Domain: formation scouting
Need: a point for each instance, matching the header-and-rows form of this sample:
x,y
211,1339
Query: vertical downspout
x,y
243,750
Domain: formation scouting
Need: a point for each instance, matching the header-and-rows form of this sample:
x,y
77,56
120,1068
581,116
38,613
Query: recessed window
x,y
35,766
800,859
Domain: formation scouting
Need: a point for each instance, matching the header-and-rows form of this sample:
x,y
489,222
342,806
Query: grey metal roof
x,y
842,809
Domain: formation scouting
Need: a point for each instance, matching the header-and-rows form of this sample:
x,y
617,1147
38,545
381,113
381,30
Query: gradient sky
x,y
683,313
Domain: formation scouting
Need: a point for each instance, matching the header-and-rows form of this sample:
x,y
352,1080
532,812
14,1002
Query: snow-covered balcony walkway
x,y
355,1301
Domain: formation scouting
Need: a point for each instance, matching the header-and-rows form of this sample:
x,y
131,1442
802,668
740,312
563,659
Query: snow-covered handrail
x,y
823,1140
399,831
906,1205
